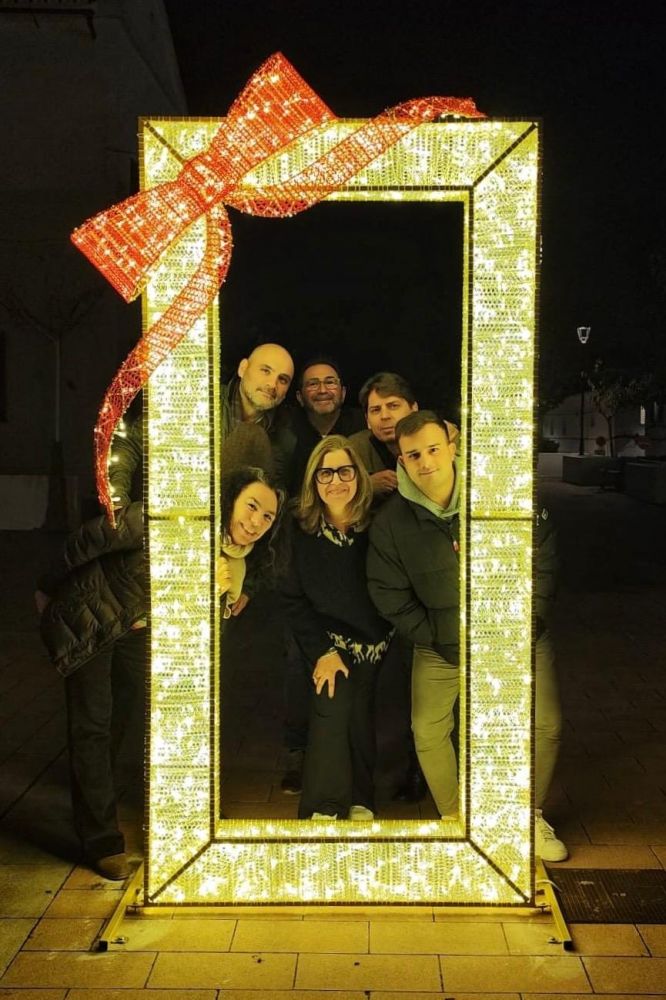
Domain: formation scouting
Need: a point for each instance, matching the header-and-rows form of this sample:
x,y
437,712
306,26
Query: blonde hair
x,y
309,507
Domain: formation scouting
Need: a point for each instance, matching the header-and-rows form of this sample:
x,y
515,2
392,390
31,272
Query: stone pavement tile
x,y
253,786
646,811
569,829
654,936
369,972
626,834
519,973
225,971
402,913
277,809
307,936
85,903
586,996
381,995
610,856
535,936
650,749
19,994
13,933
447,938
269,994
165,934
85,878
659,852
17,773
607,939
58,968
111,994
16,850
27,890
64,934
626,975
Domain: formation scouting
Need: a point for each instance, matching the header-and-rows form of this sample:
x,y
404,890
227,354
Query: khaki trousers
x,y
435,687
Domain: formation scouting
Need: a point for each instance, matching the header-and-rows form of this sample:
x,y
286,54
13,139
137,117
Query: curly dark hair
x,y
267,557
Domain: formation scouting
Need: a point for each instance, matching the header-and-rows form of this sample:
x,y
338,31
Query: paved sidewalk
x,y
608,803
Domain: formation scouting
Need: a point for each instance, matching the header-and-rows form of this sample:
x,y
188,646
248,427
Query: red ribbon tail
x,y
159,341
124,241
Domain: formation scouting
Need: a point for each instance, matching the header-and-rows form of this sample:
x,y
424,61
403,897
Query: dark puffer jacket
x,y
413,570
98,589
414,574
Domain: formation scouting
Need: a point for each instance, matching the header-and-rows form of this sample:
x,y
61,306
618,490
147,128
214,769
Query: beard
x,y
258,399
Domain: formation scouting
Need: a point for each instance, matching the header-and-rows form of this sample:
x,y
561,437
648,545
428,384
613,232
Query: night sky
x,y
592,71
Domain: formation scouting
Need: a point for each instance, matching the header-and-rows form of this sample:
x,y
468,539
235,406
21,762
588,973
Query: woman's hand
x,y
222,574
239,605
326,667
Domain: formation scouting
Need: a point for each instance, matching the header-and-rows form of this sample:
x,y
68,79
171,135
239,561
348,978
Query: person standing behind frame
x,y
343,638
414,580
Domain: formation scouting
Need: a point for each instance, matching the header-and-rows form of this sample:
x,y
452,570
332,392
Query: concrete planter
x,y
549,464
646,481
589,470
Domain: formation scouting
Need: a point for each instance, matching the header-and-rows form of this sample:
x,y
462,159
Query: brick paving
x,y
608,802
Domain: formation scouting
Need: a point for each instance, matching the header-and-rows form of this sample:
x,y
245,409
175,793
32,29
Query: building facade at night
x,y
77,76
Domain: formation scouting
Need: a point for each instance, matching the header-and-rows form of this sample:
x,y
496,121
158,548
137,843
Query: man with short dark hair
x,y
385,398
414,581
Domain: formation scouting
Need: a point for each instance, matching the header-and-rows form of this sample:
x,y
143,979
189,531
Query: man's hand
x,y
384,482
222,575
41,600
239,605
326,667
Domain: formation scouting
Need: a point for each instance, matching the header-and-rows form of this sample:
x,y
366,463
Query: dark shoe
x,y
413,788
113,866
292,782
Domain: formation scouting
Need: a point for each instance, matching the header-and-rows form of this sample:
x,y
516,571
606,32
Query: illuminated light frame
x,y
492,167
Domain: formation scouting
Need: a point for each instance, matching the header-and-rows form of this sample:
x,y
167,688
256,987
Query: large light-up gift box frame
x,y
193,857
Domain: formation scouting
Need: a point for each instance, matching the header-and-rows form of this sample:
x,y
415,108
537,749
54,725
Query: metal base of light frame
x,y
112,934
492,167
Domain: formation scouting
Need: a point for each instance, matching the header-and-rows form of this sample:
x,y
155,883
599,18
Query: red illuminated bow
x,y
274,109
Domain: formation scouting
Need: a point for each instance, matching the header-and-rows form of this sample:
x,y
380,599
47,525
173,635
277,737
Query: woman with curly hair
x,y
341,635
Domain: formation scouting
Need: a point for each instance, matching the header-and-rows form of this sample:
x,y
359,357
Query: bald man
x,y
250,430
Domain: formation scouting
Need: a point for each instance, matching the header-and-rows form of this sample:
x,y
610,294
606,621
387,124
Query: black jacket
x,y
414,574
98,589
325,593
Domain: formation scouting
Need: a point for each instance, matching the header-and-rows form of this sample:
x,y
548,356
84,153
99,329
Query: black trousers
x,y
100,696
341,749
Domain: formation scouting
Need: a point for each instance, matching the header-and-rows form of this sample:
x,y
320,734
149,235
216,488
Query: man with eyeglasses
x,y
321,393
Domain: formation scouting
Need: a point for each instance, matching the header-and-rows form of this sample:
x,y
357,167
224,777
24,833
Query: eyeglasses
x,y
345,474
330,382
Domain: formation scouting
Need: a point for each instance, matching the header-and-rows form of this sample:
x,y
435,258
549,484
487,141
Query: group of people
x,y
363,506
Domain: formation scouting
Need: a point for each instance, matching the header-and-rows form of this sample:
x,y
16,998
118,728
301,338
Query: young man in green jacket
x,y
414,580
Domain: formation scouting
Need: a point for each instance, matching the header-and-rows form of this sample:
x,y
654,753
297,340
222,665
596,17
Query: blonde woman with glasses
x,y
342,637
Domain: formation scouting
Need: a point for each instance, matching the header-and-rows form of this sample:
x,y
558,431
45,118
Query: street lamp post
x,y
583,336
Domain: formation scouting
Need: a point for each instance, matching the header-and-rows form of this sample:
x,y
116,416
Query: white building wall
x,y
562,424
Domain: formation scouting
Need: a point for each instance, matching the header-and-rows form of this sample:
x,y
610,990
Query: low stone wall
x,y
589,470
646,481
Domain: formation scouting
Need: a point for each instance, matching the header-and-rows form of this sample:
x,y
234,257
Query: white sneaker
x,y
324,816
546,844
360,814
